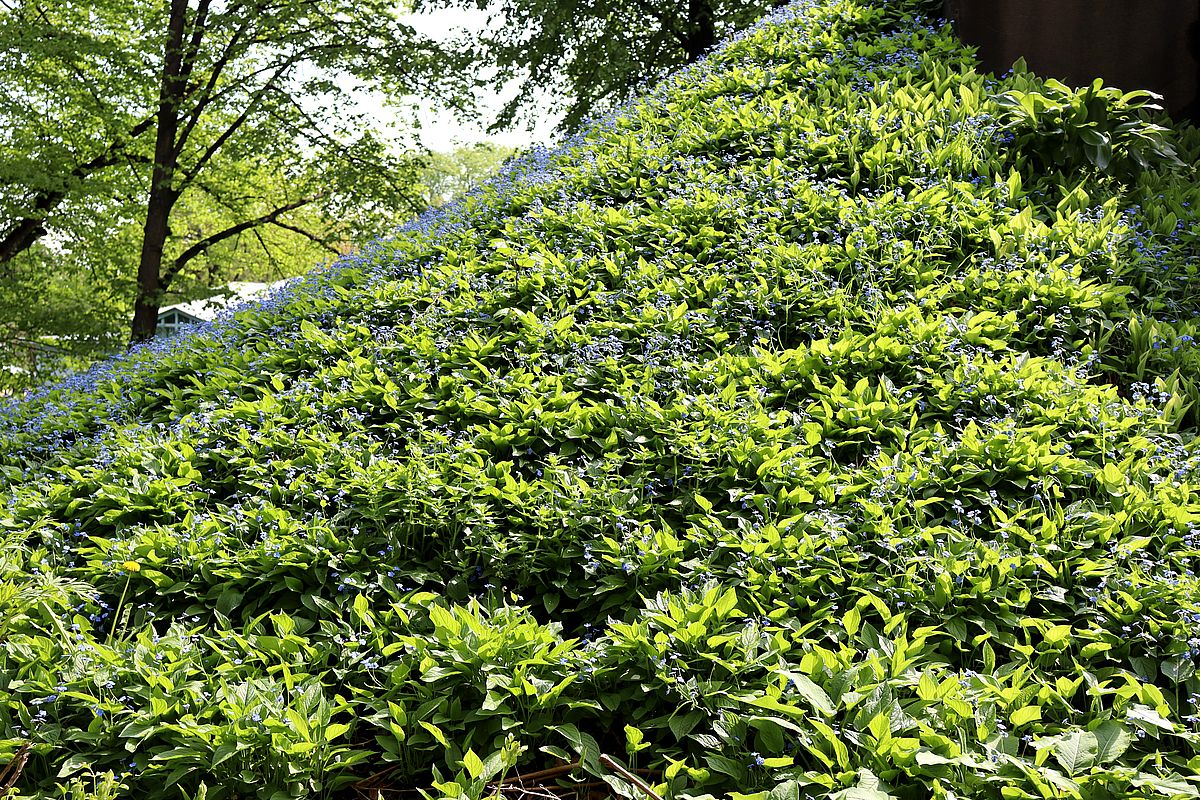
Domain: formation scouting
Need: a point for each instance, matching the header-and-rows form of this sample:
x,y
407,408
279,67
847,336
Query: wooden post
x,y
1131,44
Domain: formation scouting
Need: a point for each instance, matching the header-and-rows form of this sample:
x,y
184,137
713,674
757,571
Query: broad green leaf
x,y
1143,716
473,764
927,688
1023,716
727,603
1112,740
435,732
682,724
1057,635
1077,751
851,619
1179,669
770,734
1172,786
929,758
788,790
811,692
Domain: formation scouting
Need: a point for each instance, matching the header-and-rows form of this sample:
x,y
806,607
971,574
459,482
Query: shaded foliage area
x,y
793,432
593,55
198,124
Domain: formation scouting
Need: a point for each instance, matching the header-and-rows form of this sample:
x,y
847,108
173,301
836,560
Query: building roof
x,y
234,293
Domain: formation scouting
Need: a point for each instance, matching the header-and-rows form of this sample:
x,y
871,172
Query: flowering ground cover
x,y
821,425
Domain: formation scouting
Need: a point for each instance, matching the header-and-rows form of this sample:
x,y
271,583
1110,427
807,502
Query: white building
x,y
172,318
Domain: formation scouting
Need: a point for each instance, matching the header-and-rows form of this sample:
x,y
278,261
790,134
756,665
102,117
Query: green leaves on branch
x,y
1059,129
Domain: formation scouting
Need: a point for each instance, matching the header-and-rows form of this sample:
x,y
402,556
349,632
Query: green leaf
x,y
770,734
435,732
726,766
869,788
584,745
928,758
1179,669
927,687
221,754
635,740
682,724
1112,740
1143,716
851,619
473,764
73,764
1058,635
1076,751
788,790
811,692
1024,716
335,730
1172,786
727,603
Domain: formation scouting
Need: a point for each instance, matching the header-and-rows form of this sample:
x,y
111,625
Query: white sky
x,y
439,128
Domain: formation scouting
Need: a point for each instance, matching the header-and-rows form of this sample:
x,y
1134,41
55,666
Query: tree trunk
x,y
21,238
162,190
701,29
1149,44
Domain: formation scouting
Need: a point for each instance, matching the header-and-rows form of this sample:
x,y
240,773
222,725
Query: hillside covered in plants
x,y
822,425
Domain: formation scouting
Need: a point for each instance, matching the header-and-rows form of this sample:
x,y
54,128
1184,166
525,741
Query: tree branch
x,y
202,246
232,128
23,232
205,96
193,47
307,235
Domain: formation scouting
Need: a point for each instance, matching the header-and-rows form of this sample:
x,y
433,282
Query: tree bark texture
x,y
1131,44
162,195
701,29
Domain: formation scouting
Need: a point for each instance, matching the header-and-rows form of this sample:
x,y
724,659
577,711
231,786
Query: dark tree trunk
x,y
162,191
701,29
21,238
27,230
1148,44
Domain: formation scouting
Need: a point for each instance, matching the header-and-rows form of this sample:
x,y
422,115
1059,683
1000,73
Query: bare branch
x,y
202,246
308,235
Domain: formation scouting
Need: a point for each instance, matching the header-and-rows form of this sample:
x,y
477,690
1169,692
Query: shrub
x,y
1065,129
779,435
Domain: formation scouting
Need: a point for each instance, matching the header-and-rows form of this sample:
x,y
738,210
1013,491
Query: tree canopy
x,y
241,116
593,54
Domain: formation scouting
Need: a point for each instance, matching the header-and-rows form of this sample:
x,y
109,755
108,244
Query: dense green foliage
x,y
254,149
795,432
581,57
68,304
1106,126
449,175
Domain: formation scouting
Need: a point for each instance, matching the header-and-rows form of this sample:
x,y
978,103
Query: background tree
x,y
448,175
594,54
57,315
241,115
